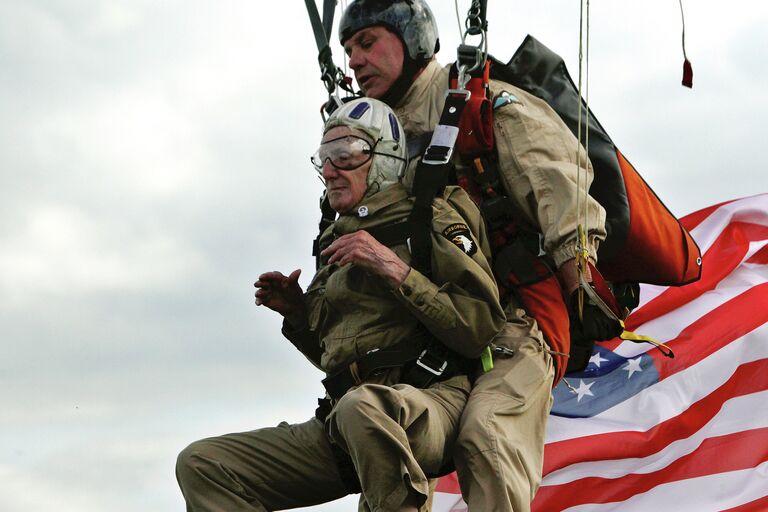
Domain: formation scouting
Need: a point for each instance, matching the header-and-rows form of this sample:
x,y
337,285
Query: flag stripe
x,y
625,444
760,257
712,332
759,505
720,454
687,322
705,494
728,251
670,326
692,220
669,441
669,397
750,210
449,483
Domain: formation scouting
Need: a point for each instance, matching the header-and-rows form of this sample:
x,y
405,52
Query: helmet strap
x,y
400,86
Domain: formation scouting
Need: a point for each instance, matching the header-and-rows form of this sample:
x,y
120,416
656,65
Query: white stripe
x,y
669,397
711,493
738,414
669,326
752,209
447,502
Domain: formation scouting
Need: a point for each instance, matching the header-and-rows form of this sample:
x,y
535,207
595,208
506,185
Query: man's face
x,y
345,188
376,56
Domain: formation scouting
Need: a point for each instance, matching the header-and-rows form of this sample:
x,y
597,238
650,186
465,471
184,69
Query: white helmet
x,y
379,122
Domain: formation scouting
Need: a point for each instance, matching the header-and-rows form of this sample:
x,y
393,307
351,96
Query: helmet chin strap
x,y
400,86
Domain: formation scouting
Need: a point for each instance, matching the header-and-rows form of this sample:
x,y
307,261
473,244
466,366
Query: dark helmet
x,y
412,20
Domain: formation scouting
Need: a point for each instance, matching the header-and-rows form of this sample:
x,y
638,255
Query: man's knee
x,y
359,409
192,460
354,406
474,435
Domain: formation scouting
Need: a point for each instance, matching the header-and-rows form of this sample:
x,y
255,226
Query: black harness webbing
x,y
327,217
430,180
424,362
392,234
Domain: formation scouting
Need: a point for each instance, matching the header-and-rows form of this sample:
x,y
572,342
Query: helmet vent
x,y
395,128
359,110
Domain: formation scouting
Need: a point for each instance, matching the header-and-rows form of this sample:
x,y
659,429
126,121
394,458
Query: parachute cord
x,y
458,18
687,68
586,137
343,53
582,254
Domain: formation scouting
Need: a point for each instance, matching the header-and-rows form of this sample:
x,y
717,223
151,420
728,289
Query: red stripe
x,y
760,257
724,324
748,378
733,452
449,484
759,505
725,255
692,220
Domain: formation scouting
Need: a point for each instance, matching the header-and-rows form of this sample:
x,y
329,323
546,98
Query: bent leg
x,y
500,449
273,468
398,435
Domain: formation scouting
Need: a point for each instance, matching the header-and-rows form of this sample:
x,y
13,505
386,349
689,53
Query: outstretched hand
x,y
282,294
361,249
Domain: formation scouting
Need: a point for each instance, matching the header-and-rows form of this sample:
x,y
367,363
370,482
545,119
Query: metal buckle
x,y
438,372
438,161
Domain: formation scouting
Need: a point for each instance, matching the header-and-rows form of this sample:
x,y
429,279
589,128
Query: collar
x,y
418,90
365,213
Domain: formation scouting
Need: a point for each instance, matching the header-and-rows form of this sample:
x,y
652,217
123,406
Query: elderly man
x,y
391,47
393,342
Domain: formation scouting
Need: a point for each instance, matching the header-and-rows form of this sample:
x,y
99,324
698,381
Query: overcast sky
x,y
154,161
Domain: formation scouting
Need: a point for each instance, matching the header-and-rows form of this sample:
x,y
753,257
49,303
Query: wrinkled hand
x,y
361,249
282,294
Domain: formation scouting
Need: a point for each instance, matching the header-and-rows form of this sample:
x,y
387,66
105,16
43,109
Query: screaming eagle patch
x,y
460,236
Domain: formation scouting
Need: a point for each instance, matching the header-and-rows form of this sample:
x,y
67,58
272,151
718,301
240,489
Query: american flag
x,y
642,432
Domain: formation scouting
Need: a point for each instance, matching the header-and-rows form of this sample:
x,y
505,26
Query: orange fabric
x,y
476,125
544,302
658,250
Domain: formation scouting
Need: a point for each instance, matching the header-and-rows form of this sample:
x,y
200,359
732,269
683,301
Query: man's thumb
x,y
294,277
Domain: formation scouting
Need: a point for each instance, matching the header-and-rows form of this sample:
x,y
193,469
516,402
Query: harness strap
x,y
327,217
432,176
426,361
392,234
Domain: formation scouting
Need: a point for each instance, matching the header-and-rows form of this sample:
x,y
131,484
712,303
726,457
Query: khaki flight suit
x,y
499,453
396,435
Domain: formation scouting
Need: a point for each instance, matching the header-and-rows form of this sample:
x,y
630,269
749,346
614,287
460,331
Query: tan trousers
x,y
395,436
500,449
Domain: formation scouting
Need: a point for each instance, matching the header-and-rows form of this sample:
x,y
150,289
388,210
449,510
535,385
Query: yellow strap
x,y
639,338
582,262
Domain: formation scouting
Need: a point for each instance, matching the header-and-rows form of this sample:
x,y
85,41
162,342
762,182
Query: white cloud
x,y
60,250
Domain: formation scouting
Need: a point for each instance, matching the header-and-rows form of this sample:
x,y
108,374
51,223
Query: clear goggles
x,y
345,153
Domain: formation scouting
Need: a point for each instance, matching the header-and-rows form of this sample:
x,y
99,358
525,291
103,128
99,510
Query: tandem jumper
x,y
645,242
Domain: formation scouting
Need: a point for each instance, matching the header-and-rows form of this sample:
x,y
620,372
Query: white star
x,y
583,390
596,359
633,365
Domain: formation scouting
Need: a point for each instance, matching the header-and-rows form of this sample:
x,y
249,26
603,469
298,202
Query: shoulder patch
x,y
504,98
461,237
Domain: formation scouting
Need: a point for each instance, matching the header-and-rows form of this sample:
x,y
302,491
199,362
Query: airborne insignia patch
x,y
460,235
